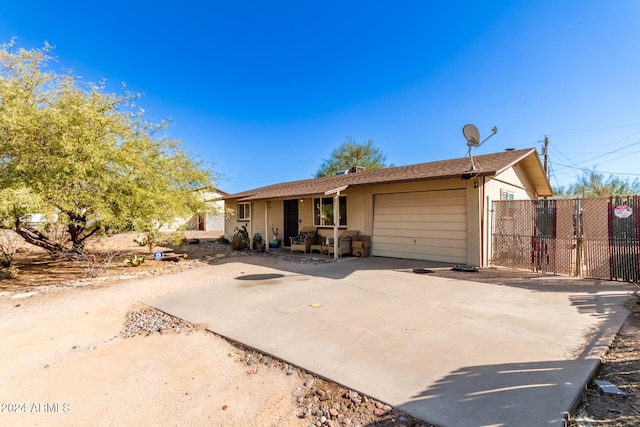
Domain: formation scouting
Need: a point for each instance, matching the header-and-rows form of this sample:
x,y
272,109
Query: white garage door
x,y
426,225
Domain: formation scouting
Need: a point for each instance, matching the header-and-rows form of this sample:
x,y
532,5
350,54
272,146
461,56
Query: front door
x,y
290,221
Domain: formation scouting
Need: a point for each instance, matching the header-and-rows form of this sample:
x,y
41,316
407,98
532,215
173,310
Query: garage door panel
x,y
454,255
434,197
459,259
422,234
421,210
420,243
427,225
425,204
424,219
390,227
440,201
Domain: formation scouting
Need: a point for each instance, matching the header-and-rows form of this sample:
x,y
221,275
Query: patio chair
x,y
302,242
344,243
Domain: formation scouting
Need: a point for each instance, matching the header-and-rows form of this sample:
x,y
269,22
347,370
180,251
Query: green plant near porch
x,y
240,239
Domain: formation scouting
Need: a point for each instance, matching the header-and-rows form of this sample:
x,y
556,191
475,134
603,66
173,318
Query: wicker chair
x,y
305,238
344,243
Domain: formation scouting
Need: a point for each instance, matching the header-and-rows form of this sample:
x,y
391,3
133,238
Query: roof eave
x,y
531,163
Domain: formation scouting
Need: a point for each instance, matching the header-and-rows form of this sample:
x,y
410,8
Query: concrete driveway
x,y
454,349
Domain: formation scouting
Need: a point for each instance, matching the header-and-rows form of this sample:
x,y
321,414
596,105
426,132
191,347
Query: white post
x,y
336,223
336,217
266,226
251,207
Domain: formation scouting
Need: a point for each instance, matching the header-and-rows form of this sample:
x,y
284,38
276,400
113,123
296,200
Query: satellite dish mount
x,y
472,136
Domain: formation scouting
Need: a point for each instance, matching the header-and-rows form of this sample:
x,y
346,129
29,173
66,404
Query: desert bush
x,y
97,264
175,238
240,239
9,244
141,240
157,238
135,261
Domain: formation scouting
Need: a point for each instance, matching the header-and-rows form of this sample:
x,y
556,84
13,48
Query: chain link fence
x,y
595,237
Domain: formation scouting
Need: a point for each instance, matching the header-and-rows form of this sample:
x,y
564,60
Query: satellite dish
x,y
472,135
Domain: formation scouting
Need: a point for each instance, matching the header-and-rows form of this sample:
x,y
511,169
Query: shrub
x,y
240,239
135,261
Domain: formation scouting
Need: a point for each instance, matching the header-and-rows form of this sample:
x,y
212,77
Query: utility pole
x,y
545,151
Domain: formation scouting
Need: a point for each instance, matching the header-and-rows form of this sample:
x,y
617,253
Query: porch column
x,y
336,223
267,206
336,216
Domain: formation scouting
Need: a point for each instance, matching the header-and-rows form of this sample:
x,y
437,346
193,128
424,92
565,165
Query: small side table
x,y
321,247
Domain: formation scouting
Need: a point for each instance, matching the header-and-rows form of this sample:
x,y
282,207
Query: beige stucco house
x,y
212,219
436,211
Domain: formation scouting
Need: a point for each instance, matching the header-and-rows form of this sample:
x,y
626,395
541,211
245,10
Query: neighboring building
x,y
213,217
434,211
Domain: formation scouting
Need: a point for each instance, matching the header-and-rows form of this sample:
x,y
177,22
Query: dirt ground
x,y
77,348
621,367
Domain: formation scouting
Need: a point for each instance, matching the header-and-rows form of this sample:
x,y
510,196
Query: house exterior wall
x,y
214,220
213,214
265,216
360,211
479,192
512,181
231,222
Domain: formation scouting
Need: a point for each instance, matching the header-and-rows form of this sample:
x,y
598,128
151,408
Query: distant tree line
x,y
593,184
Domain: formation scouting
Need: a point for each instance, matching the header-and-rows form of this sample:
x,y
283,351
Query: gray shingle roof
x,y
486,164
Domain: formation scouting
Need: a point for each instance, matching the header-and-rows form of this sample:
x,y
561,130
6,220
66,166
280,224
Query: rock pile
x,y
147,320
307,260
326,404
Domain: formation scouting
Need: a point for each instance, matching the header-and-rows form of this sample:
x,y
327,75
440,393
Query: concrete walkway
x,y
452,352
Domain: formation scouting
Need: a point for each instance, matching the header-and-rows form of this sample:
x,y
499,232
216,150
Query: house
x,y
212,219
437,211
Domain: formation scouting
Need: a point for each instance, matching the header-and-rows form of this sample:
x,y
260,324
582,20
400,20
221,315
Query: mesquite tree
x,y
86,161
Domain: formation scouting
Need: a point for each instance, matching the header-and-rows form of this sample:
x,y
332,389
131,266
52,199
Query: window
x,y
244,211
506,195
323,211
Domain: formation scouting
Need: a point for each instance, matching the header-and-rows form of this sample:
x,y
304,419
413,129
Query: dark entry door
x,y
290,221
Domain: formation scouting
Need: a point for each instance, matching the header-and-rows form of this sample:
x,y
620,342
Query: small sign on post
x,y
158,255
623,211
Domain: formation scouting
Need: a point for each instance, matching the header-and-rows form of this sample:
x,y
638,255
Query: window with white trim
x,y
323,212
244,211
506,195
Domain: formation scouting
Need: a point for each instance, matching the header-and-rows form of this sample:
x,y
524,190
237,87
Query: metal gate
x,y
595,237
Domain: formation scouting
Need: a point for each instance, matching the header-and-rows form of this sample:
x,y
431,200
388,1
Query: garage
x,y
425,225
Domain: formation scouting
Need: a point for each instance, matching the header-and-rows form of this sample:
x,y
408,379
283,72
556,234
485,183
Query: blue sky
x,y
264,91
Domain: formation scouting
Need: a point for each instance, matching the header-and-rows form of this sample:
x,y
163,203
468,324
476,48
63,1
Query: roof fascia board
x,y
519,159
336,190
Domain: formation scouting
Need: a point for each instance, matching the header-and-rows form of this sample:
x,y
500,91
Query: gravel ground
x,y
73,327
318,402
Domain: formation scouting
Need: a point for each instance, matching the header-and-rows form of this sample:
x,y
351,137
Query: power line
x,y
592,130
612,152
596,171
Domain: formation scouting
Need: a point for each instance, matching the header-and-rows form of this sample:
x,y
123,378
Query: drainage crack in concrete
x,y
454,312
